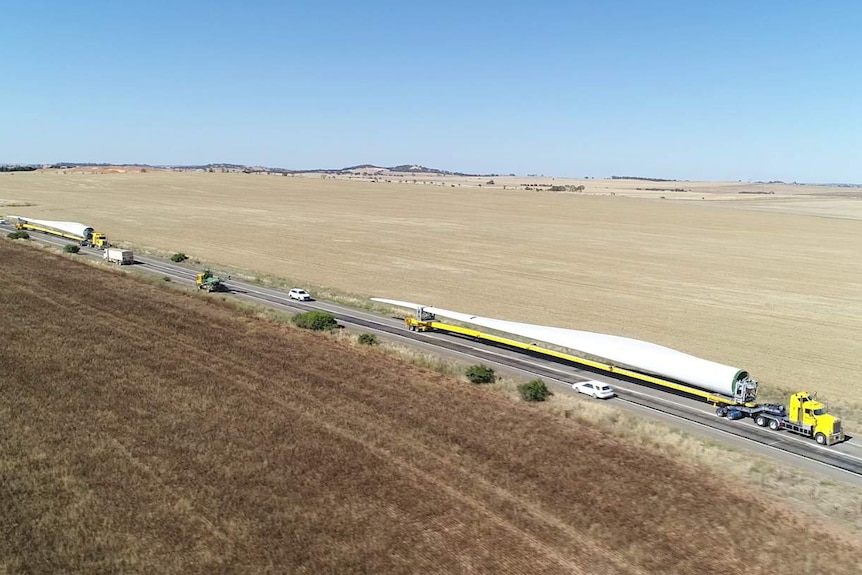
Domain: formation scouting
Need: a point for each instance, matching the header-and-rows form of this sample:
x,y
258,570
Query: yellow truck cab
x,y
202,278
810,417
99,240
803,415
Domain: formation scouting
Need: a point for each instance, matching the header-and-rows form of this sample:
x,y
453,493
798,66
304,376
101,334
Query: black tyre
x,y
774,425
820,438
761,421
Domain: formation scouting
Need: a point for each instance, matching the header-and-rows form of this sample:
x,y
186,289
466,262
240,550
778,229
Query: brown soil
x,y
144,430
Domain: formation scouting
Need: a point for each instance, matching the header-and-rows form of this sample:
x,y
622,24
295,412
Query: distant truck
x,y
206,281
83,234
118,256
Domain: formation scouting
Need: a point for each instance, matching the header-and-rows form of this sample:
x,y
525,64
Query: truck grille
x,y
836,429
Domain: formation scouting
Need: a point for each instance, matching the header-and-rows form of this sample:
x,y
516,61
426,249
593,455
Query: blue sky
x,y
688,90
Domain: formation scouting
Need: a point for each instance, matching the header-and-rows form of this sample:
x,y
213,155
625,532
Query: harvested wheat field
x,y
751,276
151,431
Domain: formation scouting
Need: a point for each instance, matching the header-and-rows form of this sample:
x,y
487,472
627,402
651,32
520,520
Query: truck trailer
x,y
732,391
119,257
83,234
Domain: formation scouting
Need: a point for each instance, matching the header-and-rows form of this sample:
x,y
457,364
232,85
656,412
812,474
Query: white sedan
x,y
595,389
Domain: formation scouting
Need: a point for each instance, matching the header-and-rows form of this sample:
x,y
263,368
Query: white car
x,y
595,389
299,294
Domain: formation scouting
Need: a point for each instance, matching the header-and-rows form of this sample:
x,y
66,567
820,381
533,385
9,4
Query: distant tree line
x,y
663,189
17,168
640,178
555,187
567,188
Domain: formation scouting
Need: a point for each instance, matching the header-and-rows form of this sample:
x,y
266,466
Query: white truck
x,y
118,256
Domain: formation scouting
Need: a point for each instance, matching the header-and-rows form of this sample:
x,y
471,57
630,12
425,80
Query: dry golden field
x,y
769,282
145,430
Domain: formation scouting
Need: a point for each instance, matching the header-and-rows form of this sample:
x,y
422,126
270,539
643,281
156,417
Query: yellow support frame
x,y
53,232
416,325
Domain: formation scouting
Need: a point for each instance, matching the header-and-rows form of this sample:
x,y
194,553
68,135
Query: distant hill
x,y
406,169
361,169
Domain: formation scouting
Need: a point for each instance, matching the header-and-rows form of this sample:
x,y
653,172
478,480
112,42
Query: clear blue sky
x,y
680,89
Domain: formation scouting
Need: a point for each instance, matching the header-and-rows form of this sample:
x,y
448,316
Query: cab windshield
x,y
820,411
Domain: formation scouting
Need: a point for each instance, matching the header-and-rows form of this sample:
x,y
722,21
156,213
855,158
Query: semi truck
x,y
84,235
730,390
804,416
118,256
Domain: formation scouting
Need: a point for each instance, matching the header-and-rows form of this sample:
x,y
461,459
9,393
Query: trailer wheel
x,y
820,438
773,424
721,411
761,421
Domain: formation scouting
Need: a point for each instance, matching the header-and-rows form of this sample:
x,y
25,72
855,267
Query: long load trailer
x,y
81,233
641,356
672,369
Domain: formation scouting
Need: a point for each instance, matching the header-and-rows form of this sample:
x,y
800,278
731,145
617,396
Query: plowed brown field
x,y
143,430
